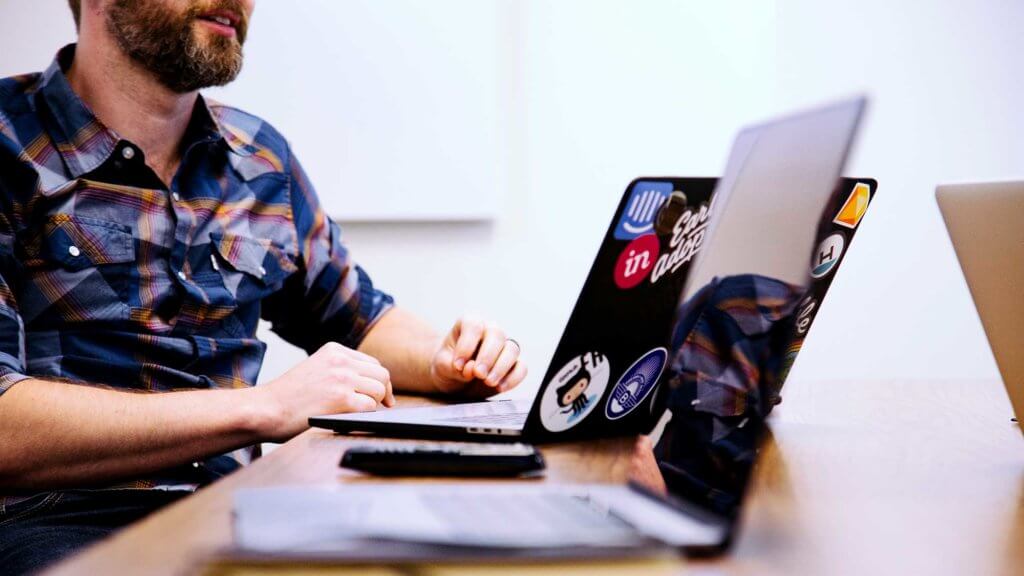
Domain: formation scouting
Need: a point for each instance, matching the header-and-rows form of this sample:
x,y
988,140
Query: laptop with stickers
x,y
777,203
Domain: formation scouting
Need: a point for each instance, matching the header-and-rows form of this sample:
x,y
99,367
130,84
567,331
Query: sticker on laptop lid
x,y
574,391
855,206
827,255
687,239
636,384
806,311
641,209
636,261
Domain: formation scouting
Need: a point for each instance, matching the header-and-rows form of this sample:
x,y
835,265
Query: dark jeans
x,y
43,529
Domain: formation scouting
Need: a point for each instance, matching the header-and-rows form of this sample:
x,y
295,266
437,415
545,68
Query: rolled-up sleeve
x,y
331,298
12,329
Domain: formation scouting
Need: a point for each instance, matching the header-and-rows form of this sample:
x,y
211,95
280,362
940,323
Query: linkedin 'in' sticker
x,y
636,384
827,255
636,261
574,391
642,209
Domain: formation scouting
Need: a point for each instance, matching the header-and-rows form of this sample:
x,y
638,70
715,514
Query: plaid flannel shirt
x,y
108,276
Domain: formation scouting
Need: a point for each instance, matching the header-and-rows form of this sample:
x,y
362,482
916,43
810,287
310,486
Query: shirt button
x,y
195,464
181,275
74,251
128,152
176,196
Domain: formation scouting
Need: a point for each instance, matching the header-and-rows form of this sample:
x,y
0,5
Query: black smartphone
x,y
448,459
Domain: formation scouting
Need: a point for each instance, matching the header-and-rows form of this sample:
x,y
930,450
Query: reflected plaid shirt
x,y
108,276
733,345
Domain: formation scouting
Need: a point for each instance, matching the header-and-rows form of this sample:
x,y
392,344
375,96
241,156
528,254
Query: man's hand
x,y
643,467
334,379
476,359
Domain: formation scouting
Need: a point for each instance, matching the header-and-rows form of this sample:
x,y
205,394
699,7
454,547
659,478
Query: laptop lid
x,y
984,224
629,297
605,376
763,217
748,303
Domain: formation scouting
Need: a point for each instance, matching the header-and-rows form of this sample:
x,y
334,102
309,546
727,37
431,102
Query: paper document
x,y
336,518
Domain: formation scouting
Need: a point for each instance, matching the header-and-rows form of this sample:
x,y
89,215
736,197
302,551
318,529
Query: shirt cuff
x,y
9,378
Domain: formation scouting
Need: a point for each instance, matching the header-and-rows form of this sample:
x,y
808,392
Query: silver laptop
x,y
763,218
984,223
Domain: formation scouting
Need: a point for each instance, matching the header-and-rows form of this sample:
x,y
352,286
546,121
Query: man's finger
x,y
471,330
361,403
375,371
504,363
444,366
490,347
380,374
515,376
373,388
453,335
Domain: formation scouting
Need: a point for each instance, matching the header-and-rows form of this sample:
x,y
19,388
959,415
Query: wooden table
x,y
894,477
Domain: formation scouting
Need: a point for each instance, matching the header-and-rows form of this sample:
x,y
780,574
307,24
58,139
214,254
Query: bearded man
x,y
144,231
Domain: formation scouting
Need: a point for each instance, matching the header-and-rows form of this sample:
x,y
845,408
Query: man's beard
x,y
165,44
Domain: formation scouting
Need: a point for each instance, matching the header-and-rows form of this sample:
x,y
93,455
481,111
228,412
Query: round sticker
x,y
574,391
827,255
636,261
636,384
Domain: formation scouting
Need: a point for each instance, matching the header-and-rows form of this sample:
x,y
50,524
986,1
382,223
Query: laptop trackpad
x,y
495,414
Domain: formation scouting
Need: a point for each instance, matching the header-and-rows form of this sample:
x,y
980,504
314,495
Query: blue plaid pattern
x,y
733,345
107,276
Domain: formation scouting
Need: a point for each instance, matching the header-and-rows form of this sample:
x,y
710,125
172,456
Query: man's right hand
x,y
333,380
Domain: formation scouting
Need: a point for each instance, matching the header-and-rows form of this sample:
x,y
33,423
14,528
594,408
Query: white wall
x,y
593,93
946,80
408,104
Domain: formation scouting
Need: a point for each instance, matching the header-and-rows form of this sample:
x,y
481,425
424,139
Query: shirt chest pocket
x,y
248,269
77,269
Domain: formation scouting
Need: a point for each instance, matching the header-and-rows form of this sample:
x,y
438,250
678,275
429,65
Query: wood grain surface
x,y
879,477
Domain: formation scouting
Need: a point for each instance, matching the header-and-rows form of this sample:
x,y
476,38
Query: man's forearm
x,y
54,434
474,360
404,344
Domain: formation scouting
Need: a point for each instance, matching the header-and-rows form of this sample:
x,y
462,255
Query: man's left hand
x,y
477,359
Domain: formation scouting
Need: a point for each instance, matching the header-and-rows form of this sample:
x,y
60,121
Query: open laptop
x,y
773,210
984,223
777,203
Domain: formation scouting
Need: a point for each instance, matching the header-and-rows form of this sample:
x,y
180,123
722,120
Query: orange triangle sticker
x,y
855,207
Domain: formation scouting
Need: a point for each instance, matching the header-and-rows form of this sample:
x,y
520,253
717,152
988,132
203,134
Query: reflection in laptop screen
x,y
740,323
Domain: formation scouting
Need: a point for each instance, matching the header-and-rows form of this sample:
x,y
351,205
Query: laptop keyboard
x,y
541,515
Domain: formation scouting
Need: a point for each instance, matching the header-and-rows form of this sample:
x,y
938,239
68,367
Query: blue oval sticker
x,y
636,384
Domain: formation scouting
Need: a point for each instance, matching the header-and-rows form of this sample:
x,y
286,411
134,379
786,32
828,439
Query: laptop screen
x,y
780,222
